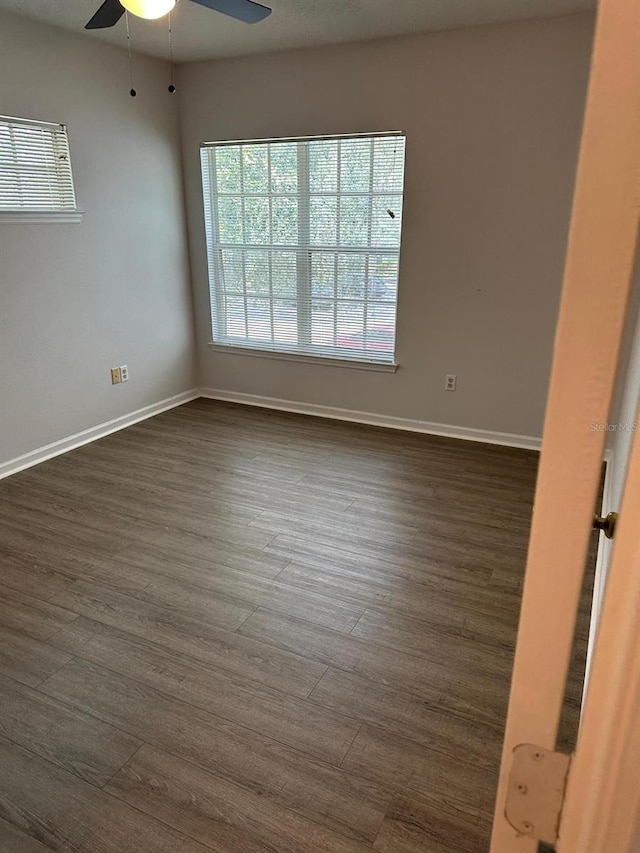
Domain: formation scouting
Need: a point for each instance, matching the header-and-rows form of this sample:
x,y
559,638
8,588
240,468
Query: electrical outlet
x,y
450,381
115,375
124,373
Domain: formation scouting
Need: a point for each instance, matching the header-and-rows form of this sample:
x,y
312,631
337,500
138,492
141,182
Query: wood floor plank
x,y
198,510
53,478
520,503
27,660
418,636
385,565
220,612
195,637
357,586
25,543
251,592
309,624
32,616
67,525
30,576
311,523
62,735
234,488
329,647
326,795
224,471
164,529
468,551
444,778
315,731
434,598
462,682
67,815
492,631
402,555
402,713
422,511
413,825
372,489
181,565
131,566
224,817
12,840
506,581
194,517
376,562
44,580
103,524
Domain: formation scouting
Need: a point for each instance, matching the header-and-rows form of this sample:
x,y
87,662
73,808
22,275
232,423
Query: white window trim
x,y
355,363
12,217
249,349
59,214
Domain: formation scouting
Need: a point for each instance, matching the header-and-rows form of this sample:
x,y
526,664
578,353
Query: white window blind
x,y
303,239
35,167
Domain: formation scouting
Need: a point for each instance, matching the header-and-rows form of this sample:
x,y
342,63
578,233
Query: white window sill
x,y
14,216
357,364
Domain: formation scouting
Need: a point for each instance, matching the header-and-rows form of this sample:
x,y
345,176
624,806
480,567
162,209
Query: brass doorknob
x,y
607,524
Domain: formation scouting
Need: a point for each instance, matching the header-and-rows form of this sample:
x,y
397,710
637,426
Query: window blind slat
x,y
303,240
35,166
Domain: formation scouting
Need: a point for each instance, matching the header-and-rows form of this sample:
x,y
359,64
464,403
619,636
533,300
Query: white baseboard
x,y
34,457
507,439
41,454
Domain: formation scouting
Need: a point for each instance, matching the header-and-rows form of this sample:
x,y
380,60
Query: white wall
x,y
76,299
493,118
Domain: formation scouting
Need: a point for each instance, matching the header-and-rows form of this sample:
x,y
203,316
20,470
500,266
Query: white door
x,y
602,802
620,434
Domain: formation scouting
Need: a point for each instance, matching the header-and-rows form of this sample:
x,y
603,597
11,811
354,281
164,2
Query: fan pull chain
x,y
132,91
172,87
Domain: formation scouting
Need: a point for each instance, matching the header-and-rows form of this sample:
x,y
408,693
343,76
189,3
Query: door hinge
x,y
536,790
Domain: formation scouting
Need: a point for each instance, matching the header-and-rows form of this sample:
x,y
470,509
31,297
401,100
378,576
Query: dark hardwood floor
x,y
234,630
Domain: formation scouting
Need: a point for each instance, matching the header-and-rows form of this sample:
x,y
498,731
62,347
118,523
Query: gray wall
x,y
493,118
76,299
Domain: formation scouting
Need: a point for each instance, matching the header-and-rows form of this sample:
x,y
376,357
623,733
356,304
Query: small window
x,y
303,239
35,168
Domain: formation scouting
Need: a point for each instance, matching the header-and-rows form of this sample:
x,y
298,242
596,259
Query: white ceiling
x,y
202,34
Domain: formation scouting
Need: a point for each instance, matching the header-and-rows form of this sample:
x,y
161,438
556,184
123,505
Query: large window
x,y
35,168
303,241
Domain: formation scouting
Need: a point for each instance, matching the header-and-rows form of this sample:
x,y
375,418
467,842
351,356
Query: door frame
x,y
602,807
601,252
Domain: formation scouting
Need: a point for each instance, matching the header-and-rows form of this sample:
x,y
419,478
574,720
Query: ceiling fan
x,y
111,11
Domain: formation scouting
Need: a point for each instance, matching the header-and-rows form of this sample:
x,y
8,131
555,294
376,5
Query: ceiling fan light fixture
x,y
149,9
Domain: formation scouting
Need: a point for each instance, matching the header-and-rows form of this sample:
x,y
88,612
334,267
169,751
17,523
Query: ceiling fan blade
x,y
107,15
242,10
